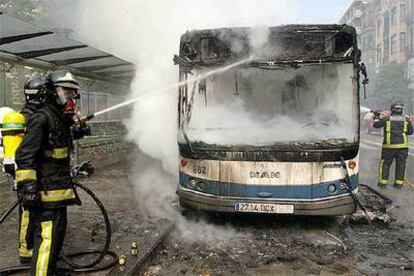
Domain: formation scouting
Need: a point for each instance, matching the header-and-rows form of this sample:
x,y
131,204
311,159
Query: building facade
x,y
384,28
391,33
385,31
363,16
410,41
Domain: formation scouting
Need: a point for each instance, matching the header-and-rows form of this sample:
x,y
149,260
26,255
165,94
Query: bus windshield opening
x,y
275,107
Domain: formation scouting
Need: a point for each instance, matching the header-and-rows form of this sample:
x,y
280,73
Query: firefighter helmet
x,y
62,78
34,90
3,111
63,87
397,108
13,121
12,134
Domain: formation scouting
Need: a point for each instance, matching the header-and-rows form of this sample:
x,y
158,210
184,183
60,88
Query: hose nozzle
x,y
86,118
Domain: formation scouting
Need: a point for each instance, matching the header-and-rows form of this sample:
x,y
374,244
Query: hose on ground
x,y
349,187
74,267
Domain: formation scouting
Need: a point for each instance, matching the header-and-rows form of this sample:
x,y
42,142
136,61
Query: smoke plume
x,y
264,107
147,33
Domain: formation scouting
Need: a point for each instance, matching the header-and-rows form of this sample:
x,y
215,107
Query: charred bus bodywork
x,y
274,134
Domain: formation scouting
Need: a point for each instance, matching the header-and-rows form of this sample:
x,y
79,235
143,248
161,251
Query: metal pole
x,y
77,152
3,83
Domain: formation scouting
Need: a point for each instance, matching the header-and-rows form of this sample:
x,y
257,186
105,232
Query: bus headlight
x,y
192,183
201,186
332,188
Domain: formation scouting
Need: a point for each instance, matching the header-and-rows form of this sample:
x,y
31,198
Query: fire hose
x,y
74,267
348,185
357,202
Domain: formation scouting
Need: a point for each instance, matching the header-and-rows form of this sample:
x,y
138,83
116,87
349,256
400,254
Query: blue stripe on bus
x,y
279,191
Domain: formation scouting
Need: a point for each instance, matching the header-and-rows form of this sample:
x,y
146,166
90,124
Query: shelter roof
x,y
21,42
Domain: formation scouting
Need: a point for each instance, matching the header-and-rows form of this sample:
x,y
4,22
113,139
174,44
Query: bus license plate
x,y
264,208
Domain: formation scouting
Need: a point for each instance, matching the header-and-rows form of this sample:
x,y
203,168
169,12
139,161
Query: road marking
x,y
409,182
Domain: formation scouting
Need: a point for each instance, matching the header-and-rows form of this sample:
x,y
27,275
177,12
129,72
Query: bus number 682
x,y
200,169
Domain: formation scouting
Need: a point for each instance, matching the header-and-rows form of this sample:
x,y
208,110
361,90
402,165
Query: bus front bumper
x,y
326,207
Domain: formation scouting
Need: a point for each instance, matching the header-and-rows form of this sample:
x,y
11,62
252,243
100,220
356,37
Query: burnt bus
x,y
278,133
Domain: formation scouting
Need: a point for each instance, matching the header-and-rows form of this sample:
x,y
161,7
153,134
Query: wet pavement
x,y
214,244
279,245
369,159
85,223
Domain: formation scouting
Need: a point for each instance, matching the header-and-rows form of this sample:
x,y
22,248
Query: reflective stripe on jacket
x,y
44,156
396,131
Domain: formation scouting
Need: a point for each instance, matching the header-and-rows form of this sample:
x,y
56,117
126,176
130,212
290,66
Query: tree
x,y
13,75
27,10
391,85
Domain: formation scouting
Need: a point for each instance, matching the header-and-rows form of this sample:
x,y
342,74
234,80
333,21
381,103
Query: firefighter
x,y
43,169
3,111
12,134
34,93
397,127
34,90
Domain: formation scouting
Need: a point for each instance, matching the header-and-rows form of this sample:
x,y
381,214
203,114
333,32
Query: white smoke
x,y
262,107
148,33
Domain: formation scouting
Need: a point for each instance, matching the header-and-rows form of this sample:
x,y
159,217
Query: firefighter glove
x,y
10,169
80,130
29,195
376,114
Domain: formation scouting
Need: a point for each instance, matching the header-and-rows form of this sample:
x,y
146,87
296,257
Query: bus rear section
x,y
278,133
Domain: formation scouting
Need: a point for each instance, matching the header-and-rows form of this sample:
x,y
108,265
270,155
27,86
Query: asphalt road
x,y
277,245
370,153
85,225
249,245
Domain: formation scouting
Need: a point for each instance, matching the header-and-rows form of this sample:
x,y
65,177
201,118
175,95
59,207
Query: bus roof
x,y
296,43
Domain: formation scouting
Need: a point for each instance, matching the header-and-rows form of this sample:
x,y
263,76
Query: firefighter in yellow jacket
x,y
43,169
3,111
13,131
12,134
397,128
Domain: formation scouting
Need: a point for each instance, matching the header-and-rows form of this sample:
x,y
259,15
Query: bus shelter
x,y
27,50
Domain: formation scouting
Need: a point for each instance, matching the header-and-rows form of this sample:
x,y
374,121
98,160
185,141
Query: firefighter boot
x,y
384,167
400,164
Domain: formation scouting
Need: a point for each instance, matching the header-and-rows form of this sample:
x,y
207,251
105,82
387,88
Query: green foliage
x,y
26,10
391,84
